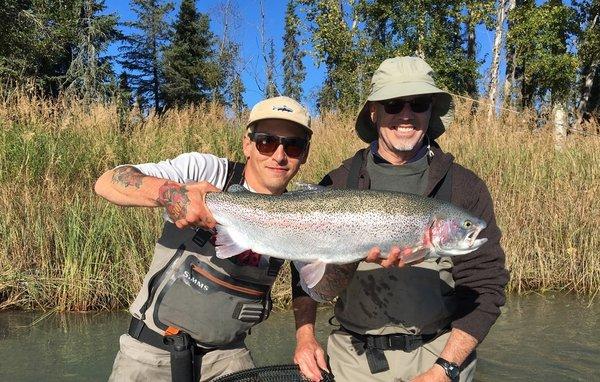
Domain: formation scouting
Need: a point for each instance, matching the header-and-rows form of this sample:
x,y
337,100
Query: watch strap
x,y
452,369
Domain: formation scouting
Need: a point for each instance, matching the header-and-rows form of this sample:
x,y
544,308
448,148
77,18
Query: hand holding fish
x,y
395,258
185,204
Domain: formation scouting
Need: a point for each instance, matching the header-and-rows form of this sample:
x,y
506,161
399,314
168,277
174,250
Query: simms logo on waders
x,y
195,281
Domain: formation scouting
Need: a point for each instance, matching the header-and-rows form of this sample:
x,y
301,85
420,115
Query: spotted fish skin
x,y
340,226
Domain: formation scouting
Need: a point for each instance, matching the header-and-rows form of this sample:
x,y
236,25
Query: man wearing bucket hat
x,y
194,308
420,322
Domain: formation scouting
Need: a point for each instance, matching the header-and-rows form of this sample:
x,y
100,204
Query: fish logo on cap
x,y
283,108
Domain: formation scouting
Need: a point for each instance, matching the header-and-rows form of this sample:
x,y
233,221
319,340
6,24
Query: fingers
x,y
308,365
395,257
392,257
321,360
310,357
189,209
373,256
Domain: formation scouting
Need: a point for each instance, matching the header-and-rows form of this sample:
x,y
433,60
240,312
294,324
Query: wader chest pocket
x,y
210,306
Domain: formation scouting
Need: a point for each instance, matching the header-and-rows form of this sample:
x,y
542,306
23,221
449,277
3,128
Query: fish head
x,y
456,234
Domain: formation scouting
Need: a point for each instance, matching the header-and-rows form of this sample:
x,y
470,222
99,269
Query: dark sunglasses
x,y
267,144
417,105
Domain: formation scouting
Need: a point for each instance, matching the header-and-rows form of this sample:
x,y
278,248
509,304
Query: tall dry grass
x,y
62,247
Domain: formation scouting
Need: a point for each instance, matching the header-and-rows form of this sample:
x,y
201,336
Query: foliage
x,y
589,52
337,45
294,71
539,37
189,60
88,72
37,41
142,53
271,85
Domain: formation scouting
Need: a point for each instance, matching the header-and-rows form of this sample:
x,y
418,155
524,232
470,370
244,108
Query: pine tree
x,y
88,71
142,54
271,86
237,91
189,60
294,71
124,101
37,40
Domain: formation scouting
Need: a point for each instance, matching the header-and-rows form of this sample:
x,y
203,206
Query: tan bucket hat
x,y
280,108
402,77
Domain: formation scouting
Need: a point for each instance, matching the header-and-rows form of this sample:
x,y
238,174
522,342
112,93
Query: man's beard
x,y
406,147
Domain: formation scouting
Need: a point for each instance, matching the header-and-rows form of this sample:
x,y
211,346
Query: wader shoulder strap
x,y
235,174
355,166
443,190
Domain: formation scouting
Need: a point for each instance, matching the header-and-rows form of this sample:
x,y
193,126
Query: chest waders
x,y
195,302
375,345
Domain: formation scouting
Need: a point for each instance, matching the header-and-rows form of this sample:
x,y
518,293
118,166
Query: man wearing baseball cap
x,y
417,322
190,318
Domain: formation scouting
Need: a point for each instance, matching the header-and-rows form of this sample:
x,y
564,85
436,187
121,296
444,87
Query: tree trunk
x,y
509,81
587,91
588,84
560,125
495,68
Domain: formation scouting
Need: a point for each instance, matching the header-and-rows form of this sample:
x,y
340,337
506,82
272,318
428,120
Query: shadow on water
x,y
537,338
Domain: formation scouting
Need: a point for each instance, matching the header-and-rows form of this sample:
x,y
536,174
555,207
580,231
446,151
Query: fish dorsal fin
x,y
237,188
298,186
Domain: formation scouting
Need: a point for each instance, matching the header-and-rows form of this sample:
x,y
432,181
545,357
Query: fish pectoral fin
x,y
225,246
311,273
416,254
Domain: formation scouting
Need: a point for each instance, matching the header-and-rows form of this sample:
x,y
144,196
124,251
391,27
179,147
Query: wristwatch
x,y
452,370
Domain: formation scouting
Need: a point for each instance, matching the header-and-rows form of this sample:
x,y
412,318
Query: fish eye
x,y
467,224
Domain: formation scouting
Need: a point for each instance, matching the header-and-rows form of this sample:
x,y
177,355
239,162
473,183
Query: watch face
x,y
453,371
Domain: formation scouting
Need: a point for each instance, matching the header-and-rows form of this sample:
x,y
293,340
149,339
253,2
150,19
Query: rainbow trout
x,y
321,227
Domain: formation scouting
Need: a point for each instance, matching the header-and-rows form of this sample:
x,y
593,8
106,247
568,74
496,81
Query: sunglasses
x,y
267,144
417,105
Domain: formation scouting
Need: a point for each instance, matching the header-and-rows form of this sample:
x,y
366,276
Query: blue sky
x,y
247,34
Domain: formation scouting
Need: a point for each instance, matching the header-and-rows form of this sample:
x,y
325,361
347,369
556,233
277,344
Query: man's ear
x,y
246,146
373,112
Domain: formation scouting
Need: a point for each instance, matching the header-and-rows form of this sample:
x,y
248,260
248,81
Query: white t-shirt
x,y
189,167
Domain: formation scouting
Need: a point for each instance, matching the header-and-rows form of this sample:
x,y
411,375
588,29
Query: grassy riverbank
x,y
62,247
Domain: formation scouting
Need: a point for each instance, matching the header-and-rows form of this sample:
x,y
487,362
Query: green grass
x,y
62,247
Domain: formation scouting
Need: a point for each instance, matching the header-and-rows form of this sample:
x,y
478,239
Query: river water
x,y
537,338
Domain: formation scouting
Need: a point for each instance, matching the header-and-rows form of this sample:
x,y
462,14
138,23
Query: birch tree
x,y
589,56
495,67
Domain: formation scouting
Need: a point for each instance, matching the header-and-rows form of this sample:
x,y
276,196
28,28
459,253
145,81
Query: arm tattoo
x,y
175,199
128,176
335,279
